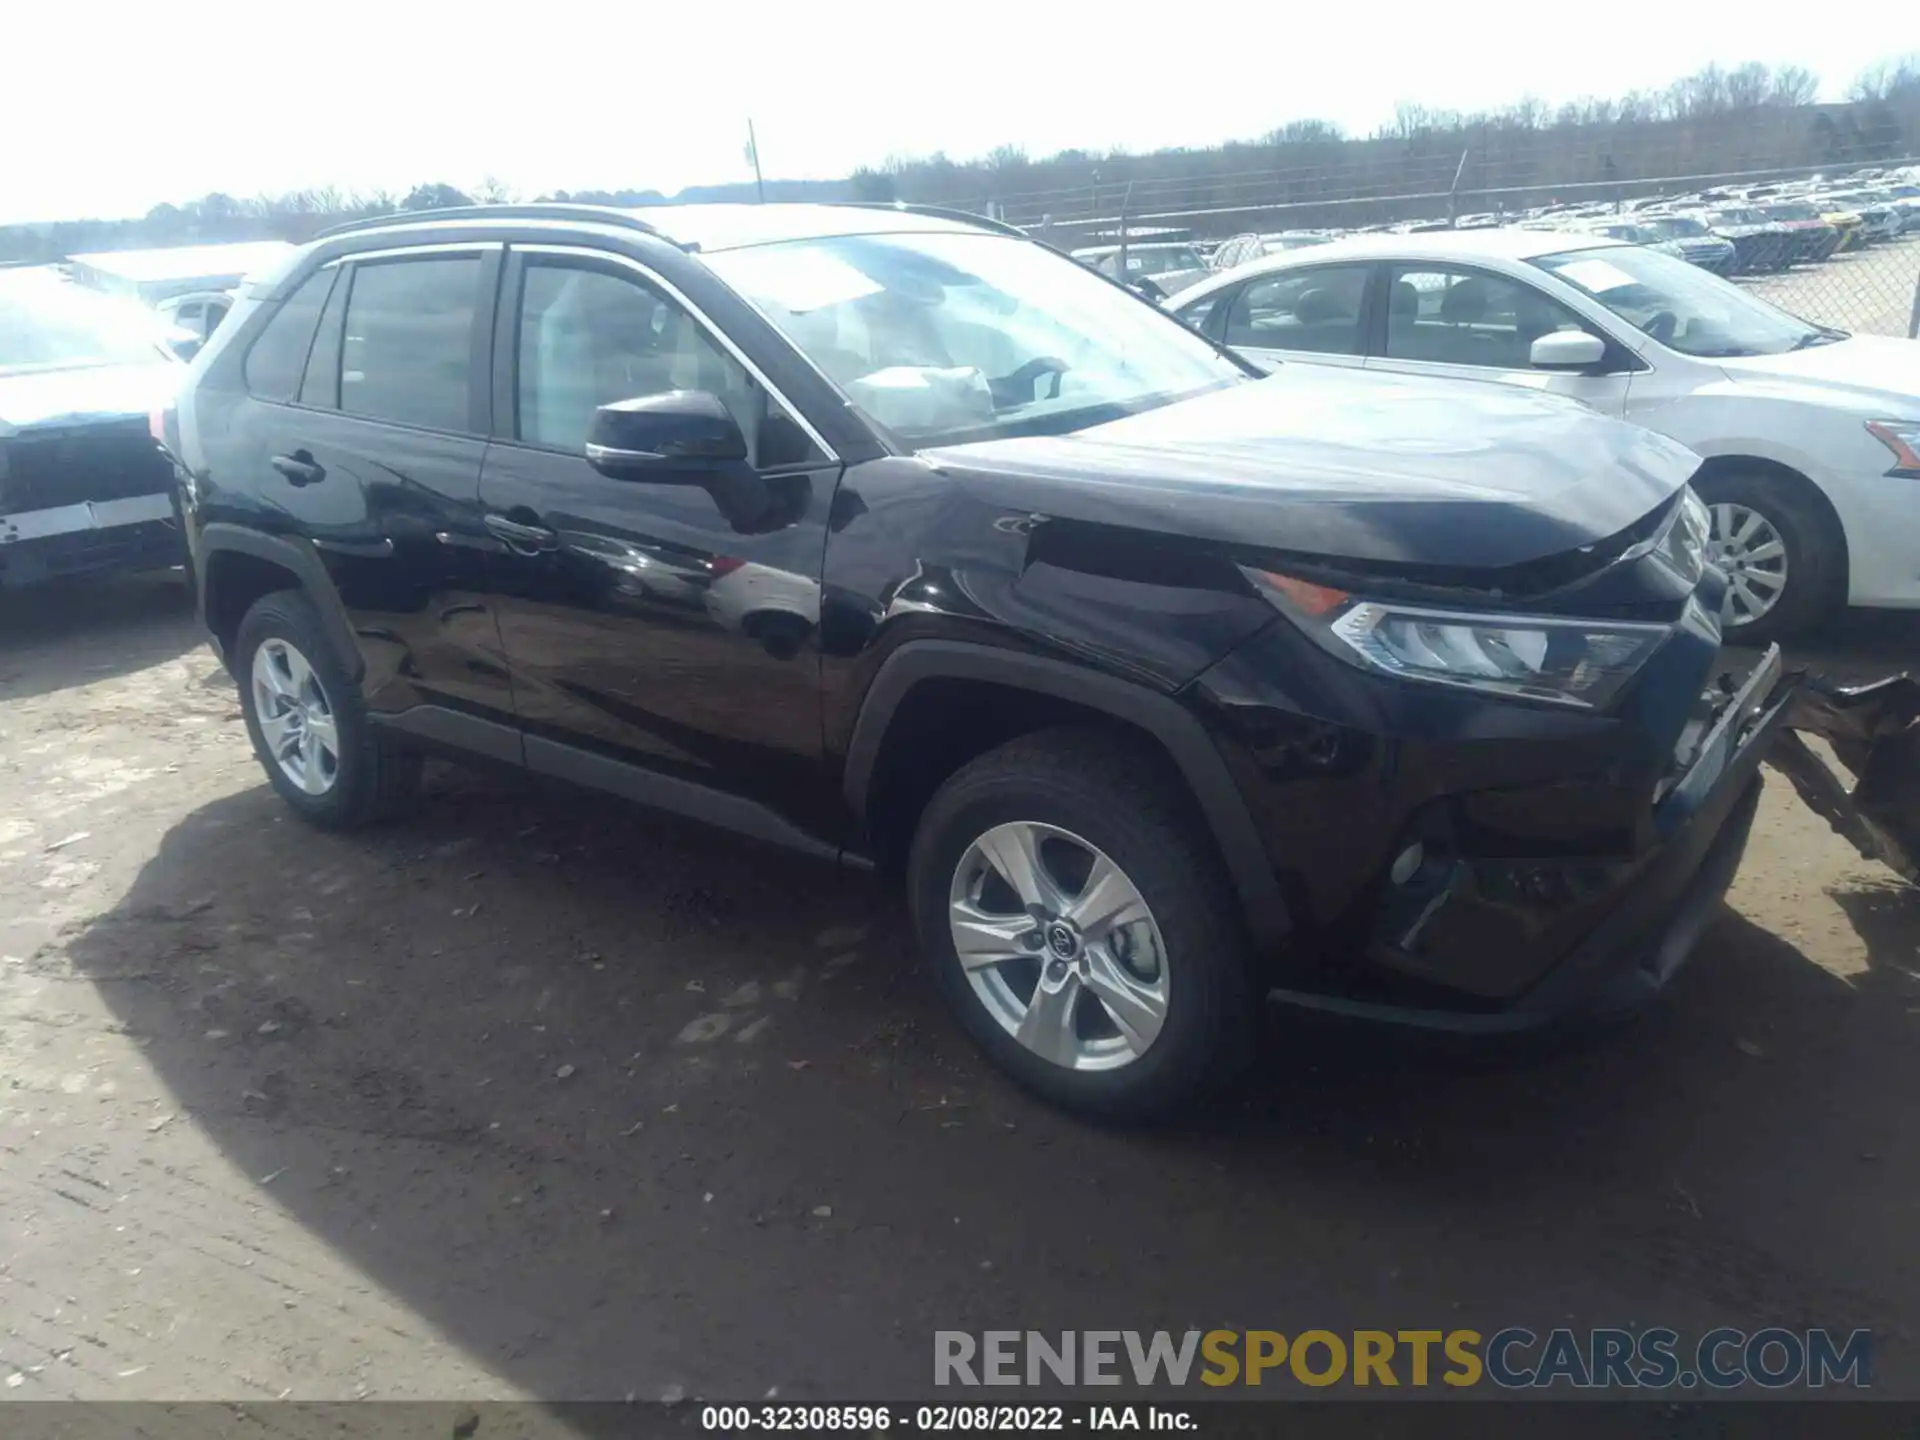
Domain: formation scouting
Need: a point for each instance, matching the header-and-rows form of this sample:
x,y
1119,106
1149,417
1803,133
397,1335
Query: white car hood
x,y
1871,370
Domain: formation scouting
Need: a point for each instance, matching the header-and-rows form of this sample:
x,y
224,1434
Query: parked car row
x,y
1754,230
1161,683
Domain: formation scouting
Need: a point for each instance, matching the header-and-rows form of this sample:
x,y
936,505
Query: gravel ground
x,y
1870,292
534,1096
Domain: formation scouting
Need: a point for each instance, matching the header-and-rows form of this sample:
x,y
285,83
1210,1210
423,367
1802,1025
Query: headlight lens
x,y
1581,663
1902,437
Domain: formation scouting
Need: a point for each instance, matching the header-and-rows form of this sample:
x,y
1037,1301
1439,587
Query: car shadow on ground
x,y
622,1107
1864,645
53,637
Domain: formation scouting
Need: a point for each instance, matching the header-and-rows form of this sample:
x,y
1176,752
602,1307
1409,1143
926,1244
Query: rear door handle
x,y
526,539
299,468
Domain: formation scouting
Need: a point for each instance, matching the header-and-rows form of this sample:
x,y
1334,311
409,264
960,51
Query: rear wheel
x,y
1783,556
1082,927
308,722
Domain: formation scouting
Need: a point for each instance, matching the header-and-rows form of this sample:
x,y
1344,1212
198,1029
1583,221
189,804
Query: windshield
x,y
1676,226
1162,259
947,337
1681,305
1735,215
1793,212
48,324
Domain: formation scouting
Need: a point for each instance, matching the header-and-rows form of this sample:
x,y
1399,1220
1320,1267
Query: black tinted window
x,y
1315,310
321,385
407,354
279,353
589,337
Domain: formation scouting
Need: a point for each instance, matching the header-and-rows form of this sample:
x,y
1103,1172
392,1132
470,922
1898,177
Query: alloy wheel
x,y
1747,547
296,717
1059,945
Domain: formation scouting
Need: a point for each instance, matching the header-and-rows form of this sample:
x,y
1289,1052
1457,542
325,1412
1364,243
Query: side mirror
x,y
1567,350
678,435
1146,285
184,343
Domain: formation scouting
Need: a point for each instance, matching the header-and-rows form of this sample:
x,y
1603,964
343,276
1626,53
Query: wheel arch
x,y
1730,465
1170,726
237,566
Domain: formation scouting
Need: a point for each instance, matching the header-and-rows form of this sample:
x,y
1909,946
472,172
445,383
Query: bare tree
x,y
1887,79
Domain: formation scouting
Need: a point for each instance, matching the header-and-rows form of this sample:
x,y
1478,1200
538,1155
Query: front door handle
x,y
525,539
299,467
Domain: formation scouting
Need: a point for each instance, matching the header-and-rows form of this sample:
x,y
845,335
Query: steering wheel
x,y
1017,388
1661,326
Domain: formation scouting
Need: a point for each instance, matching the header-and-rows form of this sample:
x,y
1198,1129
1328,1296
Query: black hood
x,y
1357,467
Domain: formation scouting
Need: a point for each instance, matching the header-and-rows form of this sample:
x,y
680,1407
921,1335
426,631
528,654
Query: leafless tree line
x,y
1718,120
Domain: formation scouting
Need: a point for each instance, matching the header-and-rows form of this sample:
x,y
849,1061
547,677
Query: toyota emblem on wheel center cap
x,y
1062,940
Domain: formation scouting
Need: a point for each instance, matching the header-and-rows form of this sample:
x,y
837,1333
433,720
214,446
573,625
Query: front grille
x,y
112,461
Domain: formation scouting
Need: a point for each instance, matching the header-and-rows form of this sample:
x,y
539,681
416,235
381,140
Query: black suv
x,y
908,542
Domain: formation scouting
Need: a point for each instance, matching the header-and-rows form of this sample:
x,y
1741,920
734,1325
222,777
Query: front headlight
x,y
1582,663
1902,437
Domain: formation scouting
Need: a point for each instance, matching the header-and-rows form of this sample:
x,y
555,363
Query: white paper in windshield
x,y
1596,275
803,279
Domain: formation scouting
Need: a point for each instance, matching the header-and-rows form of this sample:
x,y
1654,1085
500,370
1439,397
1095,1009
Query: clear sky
x,y
110,108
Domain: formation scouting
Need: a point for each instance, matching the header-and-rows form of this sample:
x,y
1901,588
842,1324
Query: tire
x,y
367,778
1815,555
1124,804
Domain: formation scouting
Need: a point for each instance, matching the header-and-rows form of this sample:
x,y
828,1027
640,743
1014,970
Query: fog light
x,y
1407,863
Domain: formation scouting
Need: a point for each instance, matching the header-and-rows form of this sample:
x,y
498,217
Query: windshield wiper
x,y
1825,335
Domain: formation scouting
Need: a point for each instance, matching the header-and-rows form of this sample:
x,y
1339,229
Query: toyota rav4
x,y
906,542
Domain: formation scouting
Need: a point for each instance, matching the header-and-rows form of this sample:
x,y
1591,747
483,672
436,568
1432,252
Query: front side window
x,y
407,354
589,336
1450,316
943,337
1313,310
1681,305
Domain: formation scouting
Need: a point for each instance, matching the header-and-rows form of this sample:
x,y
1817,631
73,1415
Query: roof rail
x,y
938,212
543,210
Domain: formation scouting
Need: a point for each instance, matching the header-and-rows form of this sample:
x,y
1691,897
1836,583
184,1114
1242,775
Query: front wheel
x,y
1783,556
1081,925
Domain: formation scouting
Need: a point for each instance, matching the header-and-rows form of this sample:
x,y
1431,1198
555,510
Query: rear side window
x,y
279,353
1200,313
1313,310
407,354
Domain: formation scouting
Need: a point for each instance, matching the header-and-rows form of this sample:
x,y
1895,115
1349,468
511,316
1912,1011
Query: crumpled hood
x,y
48,399
1870,372
1336,463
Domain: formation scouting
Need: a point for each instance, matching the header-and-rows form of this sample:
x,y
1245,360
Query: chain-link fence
x,y
1814,207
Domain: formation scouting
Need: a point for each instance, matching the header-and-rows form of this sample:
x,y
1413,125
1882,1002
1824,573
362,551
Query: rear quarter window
x,y
278,356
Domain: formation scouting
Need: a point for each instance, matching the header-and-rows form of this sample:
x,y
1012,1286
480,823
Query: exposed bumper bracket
x,y
1874,731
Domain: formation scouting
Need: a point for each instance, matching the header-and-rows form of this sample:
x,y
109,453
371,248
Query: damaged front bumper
x,y
1595,934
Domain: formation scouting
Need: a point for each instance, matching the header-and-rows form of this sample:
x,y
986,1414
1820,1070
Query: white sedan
x,y
1810,437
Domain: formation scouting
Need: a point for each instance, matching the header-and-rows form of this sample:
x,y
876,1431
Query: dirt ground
x,y
534,1096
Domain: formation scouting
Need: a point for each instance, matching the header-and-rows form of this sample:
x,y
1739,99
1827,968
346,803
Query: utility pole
x,y
753,154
